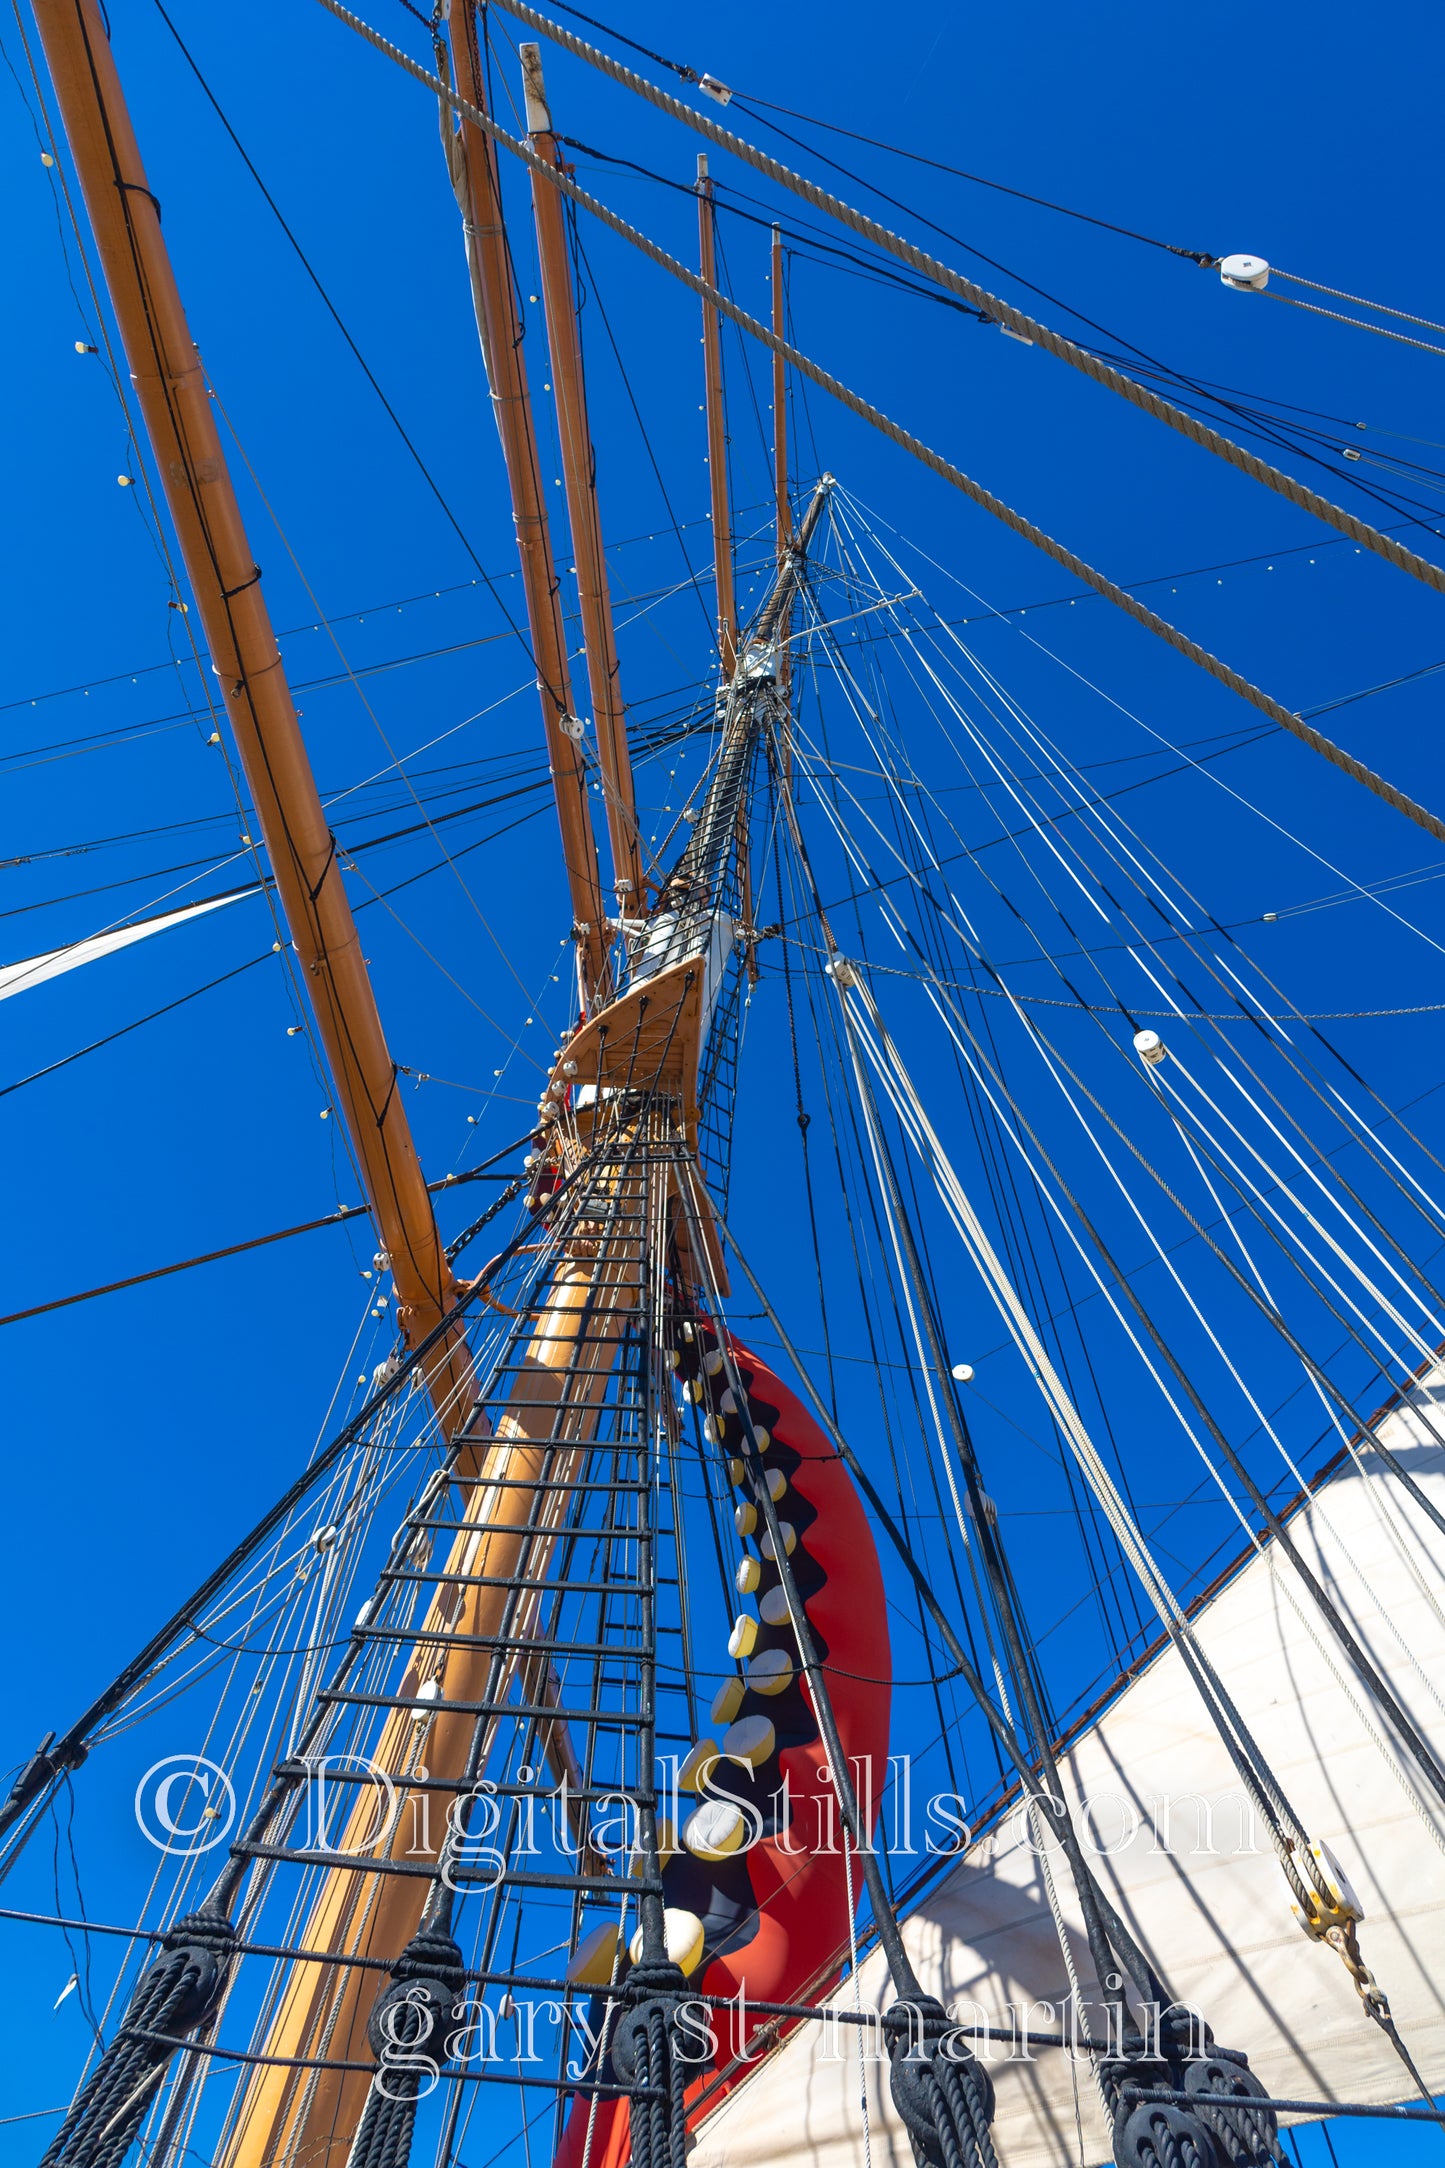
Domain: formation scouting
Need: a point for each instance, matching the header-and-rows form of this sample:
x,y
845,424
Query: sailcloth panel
x,y
1208,1903
35,970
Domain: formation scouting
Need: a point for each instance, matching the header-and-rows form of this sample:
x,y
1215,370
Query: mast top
x,y
534,92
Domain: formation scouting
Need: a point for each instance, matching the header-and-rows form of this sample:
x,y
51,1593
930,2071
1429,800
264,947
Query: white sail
x,y
35,970
1176,1852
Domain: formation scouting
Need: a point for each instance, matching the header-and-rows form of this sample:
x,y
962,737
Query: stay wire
x,y
1346,522
1003,312
999,1168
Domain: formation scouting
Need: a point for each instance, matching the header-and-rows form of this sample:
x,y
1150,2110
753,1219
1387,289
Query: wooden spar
x,y
780,486
780,406
579,472
717,443
170,386
309,2117
473,163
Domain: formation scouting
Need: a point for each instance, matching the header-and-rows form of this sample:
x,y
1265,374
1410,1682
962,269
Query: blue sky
x,y
173,1414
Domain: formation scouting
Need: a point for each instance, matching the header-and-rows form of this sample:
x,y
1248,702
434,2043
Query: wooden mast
x,y
473,162
290,2114
780,487
780,408
170,386
579,472
717,443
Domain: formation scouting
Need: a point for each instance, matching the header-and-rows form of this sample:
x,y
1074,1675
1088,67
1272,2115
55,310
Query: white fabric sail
x,y
35,970
1175,1849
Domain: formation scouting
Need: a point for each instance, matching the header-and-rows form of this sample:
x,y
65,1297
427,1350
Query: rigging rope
x,y
1002,312
1221,671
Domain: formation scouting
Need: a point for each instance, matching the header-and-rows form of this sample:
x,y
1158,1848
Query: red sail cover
x,y
777,1914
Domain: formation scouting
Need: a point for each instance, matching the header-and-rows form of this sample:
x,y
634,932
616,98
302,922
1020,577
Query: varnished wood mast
x,y
170,386
579,471
306,2116
722,517
473,161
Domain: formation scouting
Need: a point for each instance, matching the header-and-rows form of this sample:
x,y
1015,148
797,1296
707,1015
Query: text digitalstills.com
x,y
186,1804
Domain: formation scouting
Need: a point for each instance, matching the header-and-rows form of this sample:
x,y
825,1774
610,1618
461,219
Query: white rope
x,y
1424,1348
1179,753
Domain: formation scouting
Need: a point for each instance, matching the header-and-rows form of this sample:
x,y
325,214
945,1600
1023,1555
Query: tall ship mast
x,y
879,1593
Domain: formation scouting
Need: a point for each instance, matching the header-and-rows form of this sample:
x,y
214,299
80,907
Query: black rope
x,y
408,2033
174,1996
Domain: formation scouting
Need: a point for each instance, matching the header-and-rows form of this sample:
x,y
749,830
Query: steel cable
x,y
1002,312
1221,671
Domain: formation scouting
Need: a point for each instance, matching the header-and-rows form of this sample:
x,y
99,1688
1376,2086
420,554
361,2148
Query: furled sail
x,y
1162,1811
35,970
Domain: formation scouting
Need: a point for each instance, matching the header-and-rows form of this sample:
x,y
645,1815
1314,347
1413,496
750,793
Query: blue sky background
x,y
148,1429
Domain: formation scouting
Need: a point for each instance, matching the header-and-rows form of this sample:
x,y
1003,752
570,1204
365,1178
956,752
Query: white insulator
x,y
743,1636
728,1404
735,1472
774,1608
777,1483
365,1612
964,1373
714,1830
770,1672
712,1362
700,1763
745,1517
750,1740
429,1690
747,1577
673,1358
569,1068
712,1429
790,1540
727,1701
1150,1048
591,1963
1246,274
682,1932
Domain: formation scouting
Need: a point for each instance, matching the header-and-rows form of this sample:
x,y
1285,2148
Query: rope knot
x,y
645,2054
173,1996
939,2087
